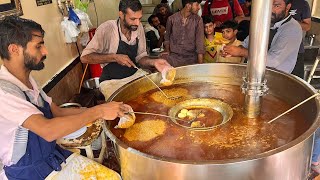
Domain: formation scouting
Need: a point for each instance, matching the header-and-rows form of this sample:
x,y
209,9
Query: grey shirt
x,y
284,47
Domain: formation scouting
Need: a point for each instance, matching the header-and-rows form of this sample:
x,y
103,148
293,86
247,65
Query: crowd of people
x,y
33,122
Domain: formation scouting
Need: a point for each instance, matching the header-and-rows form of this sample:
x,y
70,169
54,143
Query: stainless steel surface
x,y
259,38
92,83
154,114
68,105
223,108
288,162
308,45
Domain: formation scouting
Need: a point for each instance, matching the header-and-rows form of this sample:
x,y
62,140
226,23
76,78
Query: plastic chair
x,y
86,140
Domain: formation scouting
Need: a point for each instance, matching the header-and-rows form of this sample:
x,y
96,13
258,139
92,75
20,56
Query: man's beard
x,y
29,62
277,17
130,27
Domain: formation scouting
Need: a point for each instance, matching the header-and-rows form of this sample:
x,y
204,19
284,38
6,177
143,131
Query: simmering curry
x,y
238,138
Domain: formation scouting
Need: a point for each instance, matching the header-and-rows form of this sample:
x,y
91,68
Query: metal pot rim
x,y
283,148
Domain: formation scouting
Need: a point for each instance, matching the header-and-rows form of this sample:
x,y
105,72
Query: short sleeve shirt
x,y
221,10
15,109
106,40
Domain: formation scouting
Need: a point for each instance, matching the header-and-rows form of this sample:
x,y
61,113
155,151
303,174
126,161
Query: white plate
x,y
157,50
76,134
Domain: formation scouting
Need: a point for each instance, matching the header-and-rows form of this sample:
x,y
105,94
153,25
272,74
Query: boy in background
x,y
210,47
229,32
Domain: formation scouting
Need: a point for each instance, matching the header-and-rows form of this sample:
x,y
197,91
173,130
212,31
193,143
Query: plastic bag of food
x,y
168,75
127,120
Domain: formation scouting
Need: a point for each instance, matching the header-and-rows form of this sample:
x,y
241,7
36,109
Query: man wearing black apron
x,y
30,122
120,46
284,39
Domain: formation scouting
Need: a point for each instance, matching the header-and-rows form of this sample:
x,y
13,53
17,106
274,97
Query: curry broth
x,y
239,138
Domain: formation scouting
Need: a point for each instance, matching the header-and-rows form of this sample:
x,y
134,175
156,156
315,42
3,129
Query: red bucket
x,y
95,69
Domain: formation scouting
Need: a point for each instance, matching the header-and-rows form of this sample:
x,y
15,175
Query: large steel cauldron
x,y
288,162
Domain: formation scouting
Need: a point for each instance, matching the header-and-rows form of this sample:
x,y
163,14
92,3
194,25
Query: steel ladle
x,y
162,115
168,97
294,107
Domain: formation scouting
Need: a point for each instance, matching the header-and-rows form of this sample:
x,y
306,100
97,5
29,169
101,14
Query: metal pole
x,y
254,82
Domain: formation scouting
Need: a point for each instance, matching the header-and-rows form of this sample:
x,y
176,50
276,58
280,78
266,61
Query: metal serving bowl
x,y
92,83
223,108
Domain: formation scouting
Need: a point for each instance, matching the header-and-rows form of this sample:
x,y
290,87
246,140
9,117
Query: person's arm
x,y
97,58
60,125
305,24
200,41
159,64
306,17
162,31
238,19
237,9
166,42
200,58
235,51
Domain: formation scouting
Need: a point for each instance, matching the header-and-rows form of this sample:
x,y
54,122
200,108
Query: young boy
x,y
210,47
229,32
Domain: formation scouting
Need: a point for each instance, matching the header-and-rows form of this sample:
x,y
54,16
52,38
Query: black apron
x,y
114,70
41,157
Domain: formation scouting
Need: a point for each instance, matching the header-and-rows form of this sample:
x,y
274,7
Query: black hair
x,y
229,24
164,1
150,19
134,5
288,1
16,30
185,2
207,19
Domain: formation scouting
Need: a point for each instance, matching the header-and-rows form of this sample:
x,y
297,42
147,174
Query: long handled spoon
x,y
168,97
294,107
162,115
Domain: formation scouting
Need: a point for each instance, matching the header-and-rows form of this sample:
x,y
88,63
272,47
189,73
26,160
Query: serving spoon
x,y
294,107
168,97
162,115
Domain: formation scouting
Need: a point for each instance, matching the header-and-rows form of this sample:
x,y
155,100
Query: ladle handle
x,y
152,81
154,114
317,94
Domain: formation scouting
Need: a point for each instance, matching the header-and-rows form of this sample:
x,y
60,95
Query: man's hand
x,y
236,51
161,64
161,30
112,110
238,19
123,60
